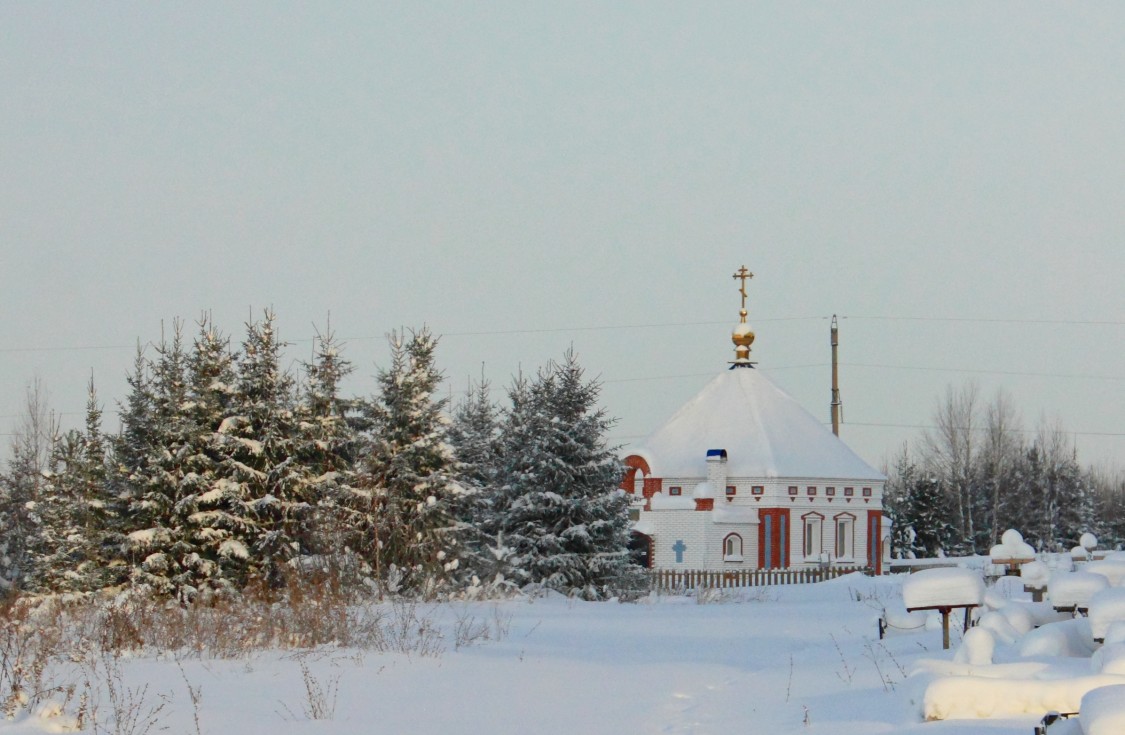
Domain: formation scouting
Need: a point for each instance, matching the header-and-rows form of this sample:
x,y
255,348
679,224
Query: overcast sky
x,y
522,177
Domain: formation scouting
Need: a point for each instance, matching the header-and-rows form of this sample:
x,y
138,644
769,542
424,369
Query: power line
x,y
707,375
989,320
652,325
1021,431
990,372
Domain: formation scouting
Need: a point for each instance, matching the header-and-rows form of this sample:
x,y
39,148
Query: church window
x,y
792,489
845,536
675,490
867,492
814,524
732,490
732,547
757,490
811,490
849,491
829,491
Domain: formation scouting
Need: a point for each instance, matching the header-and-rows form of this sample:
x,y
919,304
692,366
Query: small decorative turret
x,y
743,335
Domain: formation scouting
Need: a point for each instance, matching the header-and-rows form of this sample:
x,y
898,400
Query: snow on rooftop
x,y
948,586
765,431
660,501
703,491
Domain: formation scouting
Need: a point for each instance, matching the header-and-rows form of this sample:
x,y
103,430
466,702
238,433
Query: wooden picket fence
x,y
668,580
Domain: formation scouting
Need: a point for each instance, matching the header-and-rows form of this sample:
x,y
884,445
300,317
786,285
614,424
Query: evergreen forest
x,y
229,472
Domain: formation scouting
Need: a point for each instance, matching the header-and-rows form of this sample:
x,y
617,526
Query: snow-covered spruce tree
x,y
71,552
260,470
133,446
327,449
210,505
920,511
557,507
408,469
1058,501
474,434
928,513
155,539
896,493
21,486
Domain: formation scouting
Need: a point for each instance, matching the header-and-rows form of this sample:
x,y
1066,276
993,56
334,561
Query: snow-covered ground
x,y
800,659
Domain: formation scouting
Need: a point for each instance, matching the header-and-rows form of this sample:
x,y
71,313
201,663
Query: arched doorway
x,y
640,549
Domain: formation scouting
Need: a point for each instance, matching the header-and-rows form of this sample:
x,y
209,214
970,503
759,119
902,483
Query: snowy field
x,y
799,659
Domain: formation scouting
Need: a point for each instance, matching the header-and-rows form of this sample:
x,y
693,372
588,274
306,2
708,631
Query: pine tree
x,y
919,508
210,507
409,472
558,507
22,485
474,434
157,544
74,550
328,446
263,481
130,451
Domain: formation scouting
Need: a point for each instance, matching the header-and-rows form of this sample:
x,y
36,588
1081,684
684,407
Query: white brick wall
x,y
703,538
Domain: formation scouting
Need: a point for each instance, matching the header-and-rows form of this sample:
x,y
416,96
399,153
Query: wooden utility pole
x,y
836,404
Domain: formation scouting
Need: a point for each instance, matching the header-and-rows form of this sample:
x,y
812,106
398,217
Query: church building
x,y
743,477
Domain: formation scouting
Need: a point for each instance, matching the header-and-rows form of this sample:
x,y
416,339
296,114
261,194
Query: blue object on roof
x,y
716,453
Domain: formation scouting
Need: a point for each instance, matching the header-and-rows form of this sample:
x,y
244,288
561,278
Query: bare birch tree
x,y
32,448
949,450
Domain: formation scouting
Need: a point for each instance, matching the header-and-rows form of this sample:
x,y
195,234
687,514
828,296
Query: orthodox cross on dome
x,y
743,274
742,336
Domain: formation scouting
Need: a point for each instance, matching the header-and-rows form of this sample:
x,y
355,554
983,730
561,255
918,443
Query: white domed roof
x,y
765,432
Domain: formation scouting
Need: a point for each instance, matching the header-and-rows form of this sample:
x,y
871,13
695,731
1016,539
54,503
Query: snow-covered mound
x,y
1035,574
1111,569
1012,546
1074,589
1106,607
1103,711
